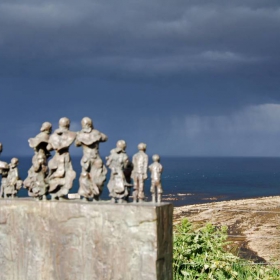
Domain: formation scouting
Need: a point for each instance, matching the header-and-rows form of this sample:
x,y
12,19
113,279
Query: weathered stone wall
x,y
76,240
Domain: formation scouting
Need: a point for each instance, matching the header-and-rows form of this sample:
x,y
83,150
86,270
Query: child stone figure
x,y
139,173
13,181
156,170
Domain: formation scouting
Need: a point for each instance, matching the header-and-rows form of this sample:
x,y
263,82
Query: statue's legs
x,y
141,195
153,192
128,193
159,191
135,191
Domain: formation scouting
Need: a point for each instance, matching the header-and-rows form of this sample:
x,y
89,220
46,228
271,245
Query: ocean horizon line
x,y
150,155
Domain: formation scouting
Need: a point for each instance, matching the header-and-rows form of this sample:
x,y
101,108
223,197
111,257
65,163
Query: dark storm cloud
x,y
137,37
143,68
179,42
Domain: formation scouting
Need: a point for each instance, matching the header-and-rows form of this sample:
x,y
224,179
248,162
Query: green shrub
x,y
201,255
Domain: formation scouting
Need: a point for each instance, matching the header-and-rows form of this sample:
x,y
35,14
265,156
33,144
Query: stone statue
x,y
14,183
41,140
93,175
117,161
4,169
156,170
139,173
36,183
61,173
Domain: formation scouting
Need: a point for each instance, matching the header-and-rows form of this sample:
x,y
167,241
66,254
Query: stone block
x,y
75,240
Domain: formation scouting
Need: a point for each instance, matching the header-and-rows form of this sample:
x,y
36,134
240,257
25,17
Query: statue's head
x,y
47,127
142,147
64,123
14,162
121,145
1,148
156,158
87,123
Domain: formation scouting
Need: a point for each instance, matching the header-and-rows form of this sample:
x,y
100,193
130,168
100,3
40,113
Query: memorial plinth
x,y
77,240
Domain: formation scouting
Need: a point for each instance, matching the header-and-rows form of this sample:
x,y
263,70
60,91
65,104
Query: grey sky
x,y
187,77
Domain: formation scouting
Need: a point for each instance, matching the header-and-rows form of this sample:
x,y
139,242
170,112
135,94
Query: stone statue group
x,y
55,176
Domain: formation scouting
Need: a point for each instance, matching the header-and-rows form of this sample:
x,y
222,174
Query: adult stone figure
x,y
41,140
13,181
36,183
156,187
93,175
117,161
4,169
139,173
61,173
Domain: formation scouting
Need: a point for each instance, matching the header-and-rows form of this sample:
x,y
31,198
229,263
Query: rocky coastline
x,y
253,224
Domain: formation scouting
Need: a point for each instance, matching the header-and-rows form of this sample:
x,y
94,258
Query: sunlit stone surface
x,y
79,240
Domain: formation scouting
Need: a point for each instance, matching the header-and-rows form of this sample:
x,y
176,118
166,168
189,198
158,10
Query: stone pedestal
x,y
77,240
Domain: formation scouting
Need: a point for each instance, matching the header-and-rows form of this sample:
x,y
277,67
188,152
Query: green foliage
x,y
201,255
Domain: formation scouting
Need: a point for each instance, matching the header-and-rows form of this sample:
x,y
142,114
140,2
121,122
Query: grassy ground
x,y
201,254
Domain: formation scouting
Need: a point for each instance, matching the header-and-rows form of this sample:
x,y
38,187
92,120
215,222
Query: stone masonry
x,y
75,240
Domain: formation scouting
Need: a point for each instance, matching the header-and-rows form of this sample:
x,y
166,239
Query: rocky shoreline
x,y
253,224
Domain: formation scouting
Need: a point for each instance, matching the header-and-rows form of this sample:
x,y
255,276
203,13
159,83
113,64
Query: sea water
x,y
200,180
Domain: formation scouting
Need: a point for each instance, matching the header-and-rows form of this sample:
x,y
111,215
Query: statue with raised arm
x,y
4,169
36,183
139,173
156,187
117,161
61,173
93,175
14,183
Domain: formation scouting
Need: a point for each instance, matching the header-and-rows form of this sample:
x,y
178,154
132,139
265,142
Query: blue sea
x,y
191,180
